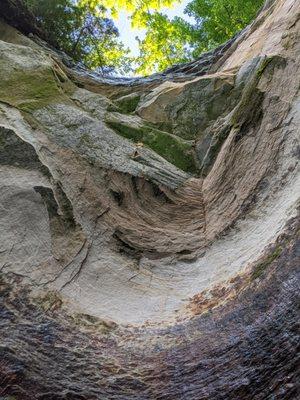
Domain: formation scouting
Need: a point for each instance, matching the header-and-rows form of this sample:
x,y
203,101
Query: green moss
x,y
168,127
113,108
249,111
263,65
261,268
250,104
29,118
90,322
177,151
50,301
128,104
31,90
210,111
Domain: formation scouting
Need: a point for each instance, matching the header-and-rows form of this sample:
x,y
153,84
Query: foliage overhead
x,y
165,44
168,42
216,21
85,30
139,10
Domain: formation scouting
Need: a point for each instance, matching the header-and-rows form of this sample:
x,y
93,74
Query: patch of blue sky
x,y
128,34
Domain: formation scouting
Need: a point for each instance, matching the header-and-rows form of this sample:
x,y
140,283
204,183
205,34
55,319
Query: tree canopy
x,y
218,20
85,29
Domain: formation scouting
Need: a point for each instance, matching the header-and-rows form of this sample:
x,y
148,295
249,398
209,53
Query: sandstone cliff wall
x,y
149,243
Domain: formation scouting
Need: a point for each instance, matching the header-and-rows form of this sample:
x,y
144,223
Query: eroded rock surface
x,y
149,228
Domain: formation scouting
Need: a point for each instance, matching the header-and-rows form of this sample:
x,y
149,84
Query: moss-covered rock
x,y
187,109
51,301
260,269
34,82
128,104
177,151
89,322
246,116
30,91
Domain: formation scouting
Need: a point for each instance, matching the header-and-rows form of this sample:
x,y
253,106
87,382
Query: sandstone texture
x,y
149,227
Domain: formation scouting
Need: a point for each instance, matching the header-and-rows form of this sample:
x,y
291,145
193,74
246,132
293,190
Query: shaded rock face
x,y
149,226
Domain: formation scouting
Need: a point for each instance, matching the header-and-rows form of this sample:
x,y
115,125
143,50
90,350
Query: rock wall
x,y
149,226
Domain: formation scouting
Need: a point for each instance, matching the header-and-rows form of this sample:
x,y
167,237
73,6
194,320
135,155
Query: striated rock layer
x,y
149,226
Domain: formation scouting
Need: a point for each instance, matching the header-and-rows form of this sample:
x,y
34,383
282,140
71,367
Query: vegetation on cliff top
x,y
85,29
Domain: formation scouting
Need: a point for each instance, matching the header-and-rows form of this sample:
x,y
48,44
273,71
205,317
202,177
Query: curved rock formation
x,y
149,226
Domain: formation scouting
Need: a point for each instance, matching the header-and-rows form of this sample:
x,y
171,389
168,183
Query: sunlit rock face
x,y
149,243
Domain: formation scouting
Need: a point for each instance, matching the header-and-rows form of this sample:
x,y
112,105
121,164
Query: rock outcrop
x,y
149,226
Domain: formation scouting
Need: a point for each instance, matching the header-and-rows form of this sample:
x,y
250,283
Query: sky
x,y
128,34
